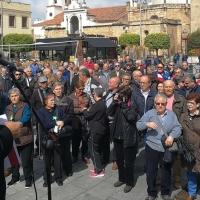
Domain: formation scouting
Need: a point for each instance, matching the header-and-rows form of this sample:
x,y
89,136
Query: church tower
x,y
195,15
54,8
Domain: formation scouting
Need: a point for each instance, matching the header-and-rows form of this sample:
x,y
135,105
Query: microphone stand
x,y
47,151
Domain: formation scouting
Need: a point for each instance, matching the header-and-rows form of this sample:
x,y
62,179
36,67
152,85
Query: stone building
x,y
175,18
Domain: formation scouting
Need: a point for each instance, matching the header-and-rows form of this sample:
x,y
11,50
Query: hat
x,y
42,79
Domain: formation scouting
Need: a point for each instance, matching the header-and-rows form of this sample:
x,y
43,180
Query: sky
x,y
38,7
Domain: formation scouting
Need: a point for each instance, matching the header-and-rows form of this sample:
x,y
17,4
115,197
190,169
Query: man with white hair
x,y
89,64
139,66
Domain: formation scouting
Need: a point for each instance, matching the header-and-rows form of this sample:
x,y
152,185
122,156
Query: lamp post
x,y
185,39
142,2
8,1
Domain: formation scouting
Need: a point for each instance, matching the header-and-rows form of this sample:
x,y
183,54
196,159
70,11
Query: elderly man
x,y
126,80
154,150
65,73
190,85
161,73
30,79
177,104
113,86
185,68
47,72
170,68
96,69
117,72
139,66
63,81
179,81
89,64
135,83
5,80
90,83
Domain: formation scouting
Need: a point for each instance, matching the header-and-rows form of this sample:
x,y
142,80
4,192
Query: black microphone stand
x,y
47,151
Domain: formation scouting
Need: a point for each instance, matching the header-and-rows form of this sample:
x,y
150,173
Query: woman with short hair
x,y
19,111
190,121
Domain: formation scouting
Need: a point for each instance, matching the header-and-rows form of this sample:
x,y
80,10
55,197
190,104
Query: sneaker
x,y
93,175
13,182
93,170
28,184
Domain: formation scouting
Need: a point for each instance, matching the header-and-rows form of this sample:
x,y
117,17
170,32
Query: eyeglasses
x,y
116,65
171,65
160,67
17,74
190,102
126,79
162,104
38,72
144,83
81,89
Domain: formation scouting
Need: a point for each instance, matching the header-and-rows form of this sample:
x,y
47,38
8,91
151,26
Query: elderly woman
x,y
125,136
66,103
19,111
97,120
154,150
80,100
190,121
52,115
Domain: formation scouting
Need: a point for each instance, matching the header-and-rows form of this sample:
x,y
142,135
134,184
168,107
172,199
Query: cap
x,y
42,79
129,63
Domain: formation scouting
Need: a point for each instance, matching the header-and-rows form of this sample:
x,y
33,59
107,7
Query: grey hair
x,y
179,79
14,90
85,72
126,74
190,77
89,58
99,92
169,81
65,64
161,96
177,68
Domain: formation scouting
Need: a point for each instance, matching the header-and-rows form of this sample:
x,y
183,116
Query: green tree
x,y
193,40
15,38
157,41
129,39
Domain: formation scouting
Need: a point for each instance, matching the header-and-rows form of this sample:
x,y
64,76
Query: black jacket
x,y
6,144
97,118
125,118
182,90
134,84
6,83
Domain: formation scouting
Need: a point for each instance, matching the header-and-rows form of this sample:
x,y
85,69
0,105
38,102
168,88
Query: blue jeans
x,y
192,183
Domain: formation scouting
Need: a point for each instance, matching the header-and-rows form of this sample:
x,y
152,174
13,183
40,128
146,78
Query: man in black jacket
x,y
8,132
5,80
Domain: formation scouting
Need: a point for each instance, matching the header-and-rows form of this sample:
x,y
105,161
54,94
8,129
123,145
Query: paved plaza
x,y
81,187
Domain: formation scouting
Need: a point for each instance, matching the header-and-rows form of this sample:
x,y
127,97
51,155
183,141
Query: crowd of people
x,y
120,102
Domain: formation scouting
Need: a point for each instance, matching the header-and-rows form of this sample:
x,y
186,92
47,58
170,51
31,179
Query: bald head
x,y
169,87
113,83
137,75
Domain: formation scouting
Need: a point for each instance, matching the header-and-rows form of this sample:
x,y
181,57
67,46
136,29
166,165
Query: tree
x,y
15,38
157,41
193,40
129,39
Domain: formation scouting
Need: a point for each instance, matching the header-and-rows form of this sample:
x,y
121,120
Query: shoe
x,y
190,198
13,182
60,183
115,166
118,184
86,160
36,154
93,175
166,197
74,160
28,184
150,198
177,184
7,172
127,188
91,169
69,173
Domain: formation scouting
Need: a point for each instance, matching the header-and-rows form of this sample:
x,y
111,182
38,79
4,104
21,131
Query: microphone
x,y
10,66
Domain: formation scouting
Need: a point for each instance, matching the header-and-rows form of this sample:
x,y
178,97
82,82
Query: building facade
x,y
175,18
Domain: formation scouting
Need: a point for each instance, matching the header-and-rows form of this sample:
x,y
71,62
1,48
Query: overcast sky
x,y
38,7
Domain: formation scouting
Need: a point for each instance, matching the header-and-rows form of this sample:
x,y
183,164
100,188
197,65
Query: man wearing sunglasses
x,y
161,73
117,72
170,68
154,150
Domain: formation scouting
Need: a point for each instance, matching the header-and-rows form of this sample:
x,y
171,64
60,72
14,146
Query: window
x,y
24,22
11,21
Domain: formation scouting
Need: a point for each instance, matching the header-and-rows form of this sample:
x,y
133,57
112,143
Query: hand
x,y
84,108
151,125
59,124
169,141
15,128
116,96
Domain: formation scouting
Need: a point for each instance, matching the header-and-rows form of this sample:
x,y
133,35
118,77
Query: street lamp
x,y
8,1
185,39
142,2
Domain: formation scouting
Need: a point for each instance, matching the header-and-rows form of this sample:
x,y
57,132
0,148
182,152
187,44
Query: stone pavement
x,y
81,187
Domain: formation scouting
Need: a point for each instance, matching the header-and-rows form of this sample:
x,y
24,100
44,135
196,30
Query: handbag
x,y
65,131
174,147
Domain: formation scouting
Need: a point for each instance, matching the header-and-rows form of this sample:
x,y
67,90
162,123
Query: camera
x,y
121,97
